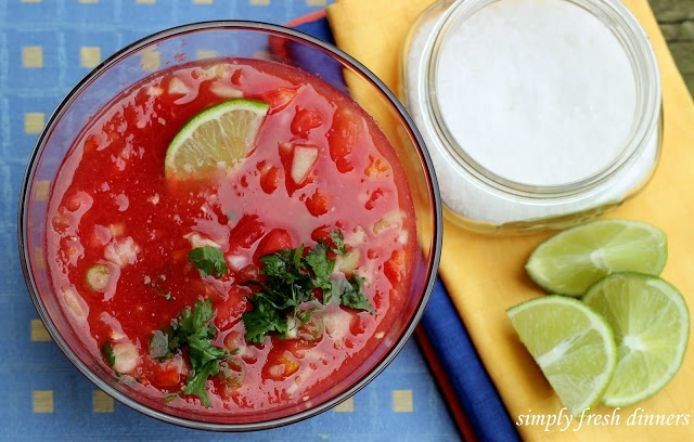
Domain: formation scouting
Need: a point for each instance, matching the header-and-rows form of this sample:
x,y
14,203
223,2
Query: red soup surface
x,y
120,237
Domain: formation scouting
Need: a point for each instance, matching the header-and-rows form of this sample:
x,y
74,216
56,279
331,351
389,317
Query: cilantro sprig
x,y
291,279
192,328
338,242
209,261
352,294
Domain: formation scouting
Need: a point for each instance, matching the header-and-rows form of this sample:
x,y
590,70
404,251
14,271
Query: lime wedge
x,y
651,325
573,260
217,138
572,345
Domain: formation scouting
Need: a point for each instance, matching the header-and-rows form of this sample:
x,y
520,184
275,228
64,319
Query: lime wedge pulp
x,y
217,138
573,346
573,260
650,320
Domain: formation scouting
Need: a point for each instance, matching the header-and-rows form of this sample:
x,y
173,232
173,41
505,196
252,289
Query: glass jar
x,y
538,114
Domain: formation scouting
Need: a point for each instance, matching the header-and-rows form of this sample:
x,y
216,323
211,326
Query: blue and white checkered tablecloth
x,y
46,46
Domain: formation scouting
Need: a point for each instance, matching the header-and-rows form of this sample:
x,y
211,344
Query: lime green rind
x,y
534,266
596,322
256,106
667,289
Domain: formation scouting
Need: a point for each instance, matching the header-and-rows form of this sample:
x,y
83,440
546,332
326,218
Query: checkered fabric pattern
x,y
46,46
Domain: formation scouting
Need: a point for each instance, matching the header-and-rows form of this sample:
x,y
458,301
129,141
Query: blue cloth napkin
x,y
473,387
447,335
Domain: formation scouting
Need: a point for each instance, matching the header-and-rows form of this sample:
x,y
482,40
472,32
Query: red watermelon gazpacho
x,y
231,235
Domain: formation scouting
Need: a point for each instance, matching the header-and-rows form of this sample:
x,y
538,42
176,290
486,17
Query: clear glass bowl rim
x,y
333,52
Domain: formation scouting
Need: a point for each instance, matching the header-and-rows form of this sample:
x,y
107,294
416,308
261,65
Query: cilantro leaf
x,y
209,261
339,241
193,321
292,277
321,266
263,319
280,265
192,328
353,297
201,351
195,384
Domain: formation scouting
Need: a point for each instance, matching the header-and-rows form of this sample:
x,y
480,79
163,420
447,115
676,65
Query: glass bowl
x,y
177,46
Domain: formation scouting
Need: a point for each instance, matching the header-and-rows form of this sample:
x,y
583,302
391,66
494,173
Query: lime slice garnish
x,y
650,320
572,345
573,260
217,138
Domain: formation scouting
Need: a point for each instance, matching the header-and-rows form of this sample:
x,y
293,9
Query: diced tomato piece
x,y
247,231
394,268
343,133
282,366
318,203
279,98
229,310
285,148
305,120
276,239
222,217
236,77
358,325
344,165
270,178
322,234
167,374
375,195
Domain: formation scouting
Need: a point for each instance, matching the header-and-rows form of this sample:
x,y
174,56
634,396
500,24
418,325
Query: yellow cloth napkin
x,y
484,275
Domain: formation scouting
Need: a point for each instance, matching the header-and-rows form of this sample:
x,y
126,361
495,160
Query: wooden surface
x,y
676,20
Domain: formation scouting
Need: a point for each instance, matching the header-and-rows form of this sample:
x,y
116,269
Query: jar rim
x,y
633,40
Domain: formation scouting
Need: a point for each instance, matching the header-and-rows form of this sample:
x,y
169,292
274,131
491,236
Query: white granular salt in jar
x,y
537,113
